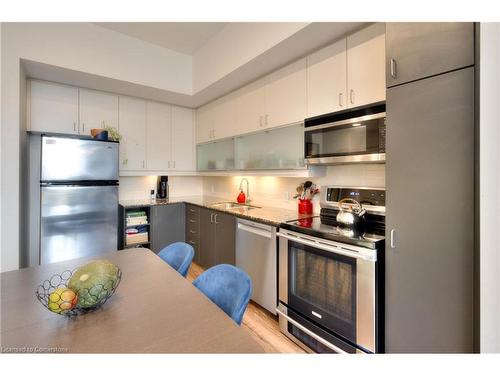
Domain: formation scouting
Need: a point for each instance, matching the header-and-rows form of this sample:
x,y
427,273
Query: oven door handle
x,y
311,333
332,249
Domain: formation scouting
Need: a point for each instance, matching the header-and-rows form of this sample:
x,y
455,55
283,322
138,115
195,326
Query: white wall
x,y
92,49
235,45
278,191
1,131
264,190
77,46
489,187
139,187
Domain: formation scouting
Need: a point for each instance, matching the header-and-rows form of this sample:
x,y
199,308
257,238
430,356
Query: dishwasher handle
x,y
258,231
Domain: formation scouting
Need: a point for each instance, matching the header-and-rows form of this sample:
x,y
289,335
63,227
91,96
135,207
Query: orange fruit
x,y
62,299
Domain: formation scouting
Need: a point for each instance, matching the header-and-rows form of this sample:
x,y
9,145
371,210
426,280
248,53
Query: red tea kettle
x,y
241,197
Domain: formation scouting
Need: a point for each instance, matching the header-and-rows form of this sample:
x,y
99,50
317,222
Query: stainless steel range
x,y
331,273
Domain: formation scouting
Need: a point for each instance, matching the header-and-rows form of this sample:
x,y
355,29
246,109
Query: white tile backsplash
x,y
278,191
264,190
140,187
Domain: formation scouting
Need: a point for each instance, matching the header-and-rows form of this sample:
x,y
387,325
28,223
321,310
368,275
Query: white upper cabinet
x,y
366,66
216,120
53,108
132,119
97,109
250,108
327,80
182,139
286,98
204,123
278,99
223,117
158,136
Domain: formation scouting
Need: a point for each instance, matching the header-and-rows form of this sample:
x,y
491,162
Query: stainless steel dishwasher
x,y
256,254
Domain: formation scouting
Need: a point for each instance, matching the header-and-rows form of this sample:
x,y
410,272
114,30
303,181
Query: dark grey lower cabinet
x,y
207,238
217,238
167,225
430,215
225,239
193,229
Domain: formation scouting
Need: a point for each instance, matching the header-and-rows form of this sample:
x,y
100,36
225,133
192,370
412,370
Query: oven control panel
x,y
374,197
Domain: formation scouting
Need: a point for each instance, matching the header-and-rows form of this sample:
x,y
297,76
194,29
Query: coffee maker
x,y
162,187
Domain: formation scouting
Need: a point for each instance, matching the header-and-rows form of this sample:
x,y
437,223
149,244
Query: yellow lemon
x,y
62,299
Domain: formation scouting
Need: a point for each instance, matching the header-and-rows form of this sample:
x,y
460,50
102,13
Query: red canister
x,y
305,206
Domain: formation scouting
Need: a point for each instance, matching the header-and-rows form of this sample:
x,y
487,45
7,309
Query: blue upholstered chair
x,y
228,287
179,255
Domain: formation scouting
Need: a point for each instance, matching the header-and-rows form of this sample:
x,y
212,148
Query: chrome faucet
x,y
247,195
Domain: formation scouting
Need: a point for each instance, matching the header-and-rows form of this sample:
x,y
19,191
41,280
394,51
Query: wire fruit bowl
x,y
57,298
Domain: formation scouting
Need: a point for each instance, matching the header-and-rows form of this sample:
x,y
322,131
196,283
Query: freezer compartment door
x,y
70,159
77,221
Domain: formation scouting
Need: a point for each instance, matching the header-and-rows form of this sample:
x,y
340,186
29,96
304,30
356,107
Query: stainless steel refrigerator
x,y
73,200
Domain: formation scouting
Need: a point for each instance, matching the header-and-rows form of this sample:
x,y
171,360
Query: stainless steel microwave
x,y
355,135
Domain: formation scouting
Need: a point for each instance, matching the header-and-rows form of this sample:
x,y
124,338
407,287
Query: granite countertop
x,y
267,215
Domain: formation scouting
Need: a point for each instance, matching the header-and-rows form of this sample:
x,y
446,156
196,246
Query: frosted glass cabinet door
x,y
216,156
281,148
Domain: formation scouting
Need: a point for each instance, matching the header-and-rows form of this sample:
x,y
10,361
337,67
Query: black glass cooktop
x,y
371,235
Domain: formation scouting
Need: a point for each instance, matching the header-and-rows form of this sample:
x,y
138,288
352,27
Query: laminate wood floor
x,y
260,324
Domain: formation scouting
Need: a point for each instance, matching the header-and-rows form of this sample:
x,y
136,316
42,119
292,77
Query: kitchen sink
x,y
233,206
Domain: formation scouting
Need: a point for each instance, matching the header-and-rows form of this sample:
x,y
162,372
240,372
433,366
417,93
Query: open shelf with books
x,y
135,226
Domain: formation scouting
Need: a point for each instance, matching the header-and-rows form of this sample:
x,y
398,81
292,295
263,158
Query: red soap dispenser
x,y
241,197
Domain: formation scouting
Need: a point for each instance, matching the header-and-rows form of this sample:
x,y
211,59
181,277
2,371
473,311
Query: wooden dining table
x,y
154,310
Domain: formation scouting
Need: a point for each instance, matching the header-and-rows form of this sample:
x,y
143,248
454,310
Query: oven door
x,y
331,285
350,140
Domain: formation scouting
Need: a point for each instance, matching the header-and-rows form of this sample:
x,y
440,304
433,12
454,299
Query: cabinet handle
x,y
192,210
213,133
351,96
265,119
192,242
215,219
174,163
168,164
143,164
211,217
393,244
260,121
340,100
83,127
192,231
394,69
194,221
74,126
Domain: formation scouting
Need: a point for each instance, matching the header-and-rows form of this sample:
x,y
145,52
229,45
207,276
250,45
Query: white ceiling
x,y
183,37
